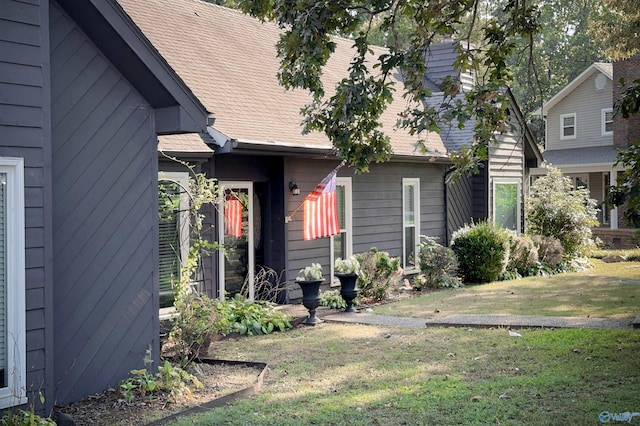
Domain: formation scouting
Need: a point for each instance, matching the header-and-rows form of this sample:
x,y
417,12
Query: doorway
x,y
236,234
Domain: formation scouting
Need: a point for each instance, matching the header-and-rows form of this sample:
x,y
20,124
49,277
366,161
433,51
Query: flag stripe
x,y
233,217
321,210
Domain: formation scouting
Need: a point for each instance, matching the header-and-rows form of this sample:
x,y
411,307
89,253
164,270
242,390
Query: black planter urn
x,y
348,289
311,299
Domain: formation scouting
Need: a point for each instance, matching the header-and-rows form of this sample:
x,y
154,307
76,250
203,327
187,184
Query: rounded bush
x,y
482,251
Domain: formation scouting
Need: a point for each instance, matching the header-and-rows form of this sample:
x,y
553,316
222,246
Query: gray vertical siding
x,y
377,208
104,217
24,132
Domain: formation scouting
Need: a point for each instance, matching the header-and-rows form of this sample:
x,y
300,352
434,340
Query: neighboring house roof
x,y
605,68
589,156
228,59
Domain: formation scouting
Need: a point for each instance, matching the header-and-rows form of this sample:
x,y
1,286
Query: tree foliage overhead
x,y
617,27
350,117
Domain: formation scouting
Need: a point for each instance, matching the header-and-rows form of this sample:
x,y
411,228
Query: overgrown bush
x,y
550,251
523,256
554,208
482,251
438,265
379,273
195,326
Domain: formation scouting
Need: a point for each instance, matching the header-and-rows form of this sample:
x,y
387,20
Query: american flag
x,y
232,216
321,210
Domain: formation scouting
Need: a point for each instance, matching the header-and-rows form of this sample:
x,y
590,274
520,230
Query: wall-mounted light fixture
x,y
293,187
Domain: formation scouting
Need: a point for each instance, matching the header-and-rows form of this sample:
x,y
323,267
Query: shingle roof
x,y
590,156
228,59
192,143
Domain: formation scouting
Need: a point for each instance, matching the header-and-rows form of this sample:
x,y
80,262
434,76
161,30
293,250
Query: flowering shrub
x,y
554,208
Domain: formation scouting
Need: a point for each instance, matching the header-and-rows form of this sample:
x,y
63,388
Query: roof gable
x,y
605,69
115,34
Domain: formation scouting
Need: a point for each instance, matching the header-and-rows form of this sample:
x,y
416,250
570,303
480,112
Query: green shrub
x,y
332,299
438,264
201,319
250,318
25,418
554,208
168,379
523,256
379,273
482,251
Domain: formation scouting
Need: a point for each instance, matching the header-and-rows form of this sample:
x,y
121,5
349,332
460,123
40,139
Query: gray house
x,y
228,60
83,96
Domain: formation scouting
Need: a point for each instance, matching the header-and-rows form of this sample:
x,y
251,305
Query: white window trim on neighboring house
x,y
348,225
604,122
415,182
15,391
563,127
509,181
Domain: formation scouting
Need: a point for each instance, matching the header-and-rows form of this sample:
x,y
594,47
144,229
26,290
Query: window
x,y
580,181
173,232
568,126
12,284
411,222
506,203
341,244
607,121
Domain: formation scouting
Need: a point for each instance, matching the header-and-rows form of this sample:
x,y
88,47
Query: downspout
x,y
445,177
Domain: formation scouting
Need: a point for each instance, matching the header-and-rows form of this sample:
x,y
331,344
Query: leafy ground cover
x,y
608,290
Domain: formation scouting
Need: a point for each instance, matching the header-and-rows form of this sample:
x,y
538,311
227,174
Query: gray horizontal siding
x,y
24,133
377,208
104,216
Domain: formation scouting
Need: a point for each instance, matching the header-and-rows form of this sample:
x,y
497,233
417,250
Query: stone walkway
x,y
463,320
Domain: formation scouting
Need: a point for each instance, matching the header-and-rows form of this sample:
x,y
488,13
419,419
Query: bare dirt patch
x,y
110,408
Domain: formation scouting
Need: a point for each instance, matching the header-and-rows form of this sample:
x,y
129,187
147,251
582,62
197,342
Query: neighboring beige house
x,y
580,141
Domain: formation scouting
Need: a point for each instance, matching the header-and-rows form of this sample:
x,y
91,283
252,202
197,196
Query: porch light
x,y
293,187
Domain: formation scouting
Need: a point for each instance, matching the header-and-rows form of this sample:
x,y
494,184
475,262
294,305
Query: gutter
x,y
445,177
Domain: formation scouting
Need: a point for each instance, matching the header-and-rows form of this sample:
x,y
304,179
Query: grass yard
x,y
342,374
608,290
348,374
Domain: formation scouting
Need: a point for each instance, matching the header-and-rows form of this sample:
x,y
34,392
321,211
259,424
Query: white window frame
x,y
582,176
604,121
415,182
348,223
509,181
563,127
182,179
15,391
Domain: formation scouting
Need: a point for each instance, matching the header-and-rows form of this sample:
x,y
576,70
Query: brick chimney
x,y
625,131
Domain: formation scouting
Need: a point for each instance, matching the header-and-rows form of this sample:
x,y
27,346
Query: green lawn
x,y
608,290
348,374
